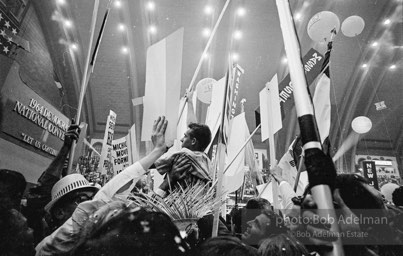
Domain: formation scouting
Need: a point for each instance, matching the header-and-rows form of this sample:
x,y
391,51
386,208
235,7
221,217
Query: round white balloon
x,y
361,124
204,89
352,26
321,24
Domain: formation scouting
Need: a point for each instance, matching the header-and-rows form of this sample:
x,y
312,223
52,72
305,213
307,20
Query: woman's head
x,y
283,244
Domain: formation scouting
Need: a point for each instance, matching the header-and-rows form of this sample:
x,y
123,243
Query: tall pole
x,y
321,179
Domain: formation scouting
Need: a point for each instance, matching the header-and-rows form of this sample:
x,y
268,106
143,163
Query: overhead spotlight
x,y
206,32
298,16
374,44
235,56
61,2
386,22
125,50
121,27
208,9
284,60
152,29
365,65
118,4
150,6
74,46
392,67
241,11
206,55
68,23
237,34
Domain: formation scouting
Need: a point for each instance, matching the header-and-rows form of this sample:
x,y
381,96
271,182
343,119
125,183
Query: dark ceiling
x,y
119,77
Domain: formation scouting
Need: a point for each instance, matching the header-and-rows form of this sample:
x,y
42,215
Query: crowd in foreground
x,y
69,216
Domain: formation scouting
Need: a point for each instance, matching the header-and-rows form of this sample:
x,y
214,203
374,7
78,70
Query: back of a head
x,y
258,203
223,246
12,187
282,244
127,230
202,134
387,190
397,196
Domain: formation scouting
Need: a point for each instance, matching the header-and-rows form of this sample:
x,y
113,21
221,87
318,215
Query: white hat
x,y
66,185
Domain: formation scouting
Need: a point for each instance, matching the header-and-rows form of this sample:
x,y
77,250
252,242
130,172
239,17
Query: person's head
x,y
397,196
123,229
266,224
12,187
16,238
223,246
387,190
258,203
282,245
67,193
197,137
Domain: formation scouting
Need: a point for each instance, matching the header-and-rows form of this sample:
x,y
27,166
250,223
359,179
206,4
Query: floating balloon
x,y
361,124
352,26
321,24
204,89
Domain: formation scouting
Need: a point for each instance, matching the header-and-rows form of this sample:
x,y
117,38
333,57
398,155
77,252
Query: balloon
x,y
352,26
204,89
361,124
321,24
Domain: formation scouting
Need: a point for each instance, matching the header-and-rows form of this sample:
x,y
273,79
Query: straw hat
x,y
66,185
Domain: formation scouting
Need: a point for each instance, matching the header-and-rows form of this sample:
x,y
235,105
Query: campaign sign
x,y
370,173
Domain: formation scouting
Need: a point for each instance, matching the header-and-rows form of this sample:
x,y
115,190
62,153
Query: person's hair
x,y
397,196
202,134
223,246
12,187
276,223
127,230
258,203
282,244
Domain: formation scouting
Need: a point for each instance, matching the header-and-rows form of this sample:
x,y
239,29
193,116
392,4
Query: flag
x,y
163,85
270,109
8,30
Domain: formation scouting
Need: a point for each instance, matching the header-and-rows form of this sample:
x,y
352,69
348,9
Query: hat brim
x,y
50,205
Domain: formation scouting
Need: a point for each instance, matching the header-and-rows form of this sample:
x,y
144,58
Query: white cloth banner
x,y
270,112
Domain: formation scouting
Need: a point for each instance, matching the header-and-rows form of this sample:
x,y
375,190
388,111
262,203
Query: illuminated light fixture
x,y
374,44
61,2
284,60
235,56
237,34
365,65
152,29
241,12
298,16
386,22
68,23
74,46
118,4
206,56
392,67
150,6
208,10
361,124
121,27
206,32
125,50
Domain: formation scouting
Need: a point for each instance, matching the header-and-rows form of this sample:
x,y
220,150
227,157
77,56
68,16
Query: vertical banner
x,y
370,173
105,166
163,85
120,154
132,145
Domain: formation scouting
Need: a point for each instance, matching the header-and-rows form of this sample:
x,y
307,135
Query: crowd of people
x,y
66,215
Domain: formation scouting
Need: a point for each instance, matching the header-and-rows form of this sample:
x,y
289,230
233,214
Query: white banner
x,y
106,155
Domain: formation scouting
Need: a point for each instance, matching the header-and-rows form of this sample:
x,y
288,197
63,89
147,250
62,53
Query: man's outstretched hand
x,y
72,134
158,133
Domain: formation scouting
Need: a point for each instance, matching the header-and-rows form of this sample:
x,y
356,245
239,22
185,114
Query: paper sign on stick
x,y
104,162
163,85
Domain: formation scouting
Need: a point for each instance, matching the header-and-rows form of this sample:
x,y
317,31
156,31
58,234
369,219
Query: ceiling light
x,y
392,67
208,9
74,46
386,22
235,56
68,23
61,2
152,29
121,27
298,16
365,65
241,11
284,60
125,50
237,34
205,56
118,4
206,32
374,44
150,6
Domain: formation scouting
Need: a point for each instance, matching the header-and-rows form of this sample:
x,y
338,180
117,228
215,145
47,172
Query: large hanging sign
x,y
31,119
370,173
